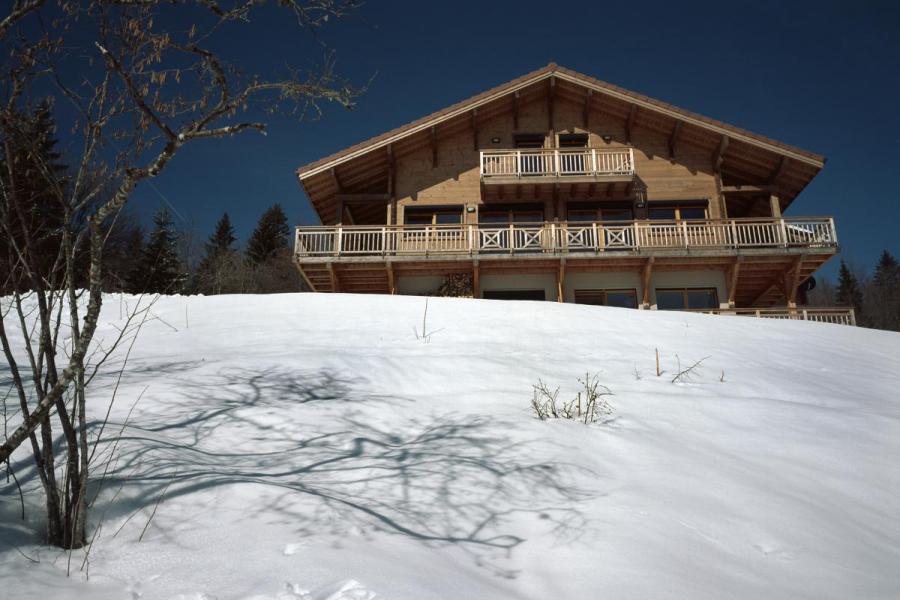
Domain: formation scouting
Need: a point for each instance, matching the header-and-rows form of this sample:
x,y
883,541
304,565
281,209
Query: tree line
x,y
875,298
161,262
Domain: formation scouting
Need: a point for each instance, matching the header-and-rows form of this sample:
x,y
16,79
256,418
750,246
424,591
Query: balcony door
x,y
531,163
573,156
429,228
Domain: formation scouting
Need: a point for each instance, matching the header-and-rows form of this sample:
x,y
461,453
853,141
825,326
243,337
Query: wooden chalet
x,y
559,186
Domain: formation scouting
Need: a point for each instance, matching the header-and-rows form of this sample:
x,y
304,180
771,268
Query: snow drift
x,y
318,447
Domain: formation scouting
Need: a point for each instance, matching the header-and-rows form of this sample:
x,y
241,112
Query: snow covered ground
x,y
311,447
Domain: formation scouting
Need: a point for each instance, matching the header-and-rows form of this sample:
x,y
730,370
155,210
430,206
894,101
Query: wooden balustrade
x,y
835,315
523,238
555,162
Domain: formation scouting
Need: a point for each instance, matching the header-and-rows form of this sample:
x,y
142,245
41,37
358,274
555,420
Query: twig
x,y
684,374
155,506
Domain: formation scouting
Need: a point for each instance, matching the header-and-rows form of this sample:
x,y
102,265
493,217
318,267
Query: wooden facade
x,y
555,180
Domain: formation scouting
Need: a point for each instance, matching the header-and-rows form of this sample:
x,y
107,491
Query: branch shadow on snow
x,y
368,462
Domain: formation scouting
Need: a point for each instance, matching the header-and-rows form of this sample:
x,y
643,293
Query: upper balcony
x,y
774,235
575,164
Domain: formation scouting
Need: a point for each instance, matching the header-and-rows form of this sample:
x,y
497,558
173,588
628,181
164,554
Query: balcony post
x,y
512,239
338,240
833,231
383,241
784,238
684,233
596,237
518,163
480,163
593,161
471,239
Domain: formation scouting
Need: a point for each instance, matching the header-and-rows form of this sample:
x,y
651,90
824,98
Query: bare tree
x,y
139,92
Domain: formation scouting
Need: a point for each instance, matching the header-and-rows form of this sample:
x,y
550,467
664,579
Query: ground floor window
x,y
620,298
686,298
514,295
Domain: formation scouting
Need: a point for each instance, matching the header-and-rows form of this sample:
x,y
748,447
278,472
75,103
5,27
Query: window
x,y
620,298
433,216
528,140
582,215
686,298
505,216
514,294
573,140
681,211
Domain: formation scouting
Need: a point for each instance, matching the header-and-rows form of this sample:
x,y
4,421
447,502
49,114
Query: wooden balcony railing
x,y
838,315
525,238
550,162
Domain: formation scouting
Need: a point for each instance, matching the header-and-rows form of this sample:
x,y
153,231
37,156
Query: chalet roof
x,y
553,70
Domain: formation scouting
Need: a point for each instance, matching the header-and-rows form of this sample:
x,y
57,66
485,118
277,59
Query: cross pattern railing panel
x,y
596,237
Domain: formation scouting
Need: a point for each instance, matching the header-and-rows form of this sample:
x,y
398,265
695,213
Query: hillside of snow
x,y
316,447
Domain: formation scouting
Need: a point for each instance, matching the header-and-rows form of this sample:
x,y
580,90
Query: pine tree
x,y
848,292
887,272
38,176
159,271
220,242
270,236
219,269
883,294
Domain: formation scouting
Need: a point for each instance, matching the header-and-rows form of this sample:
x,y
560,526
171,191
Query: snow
x,y
312,447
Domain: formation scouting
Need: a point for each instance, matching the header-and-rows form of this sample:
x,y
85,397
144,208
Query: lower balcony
x,y
564,239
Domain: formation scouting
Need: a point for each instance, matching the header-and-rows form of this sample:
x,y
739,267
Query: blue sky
x,y
821,75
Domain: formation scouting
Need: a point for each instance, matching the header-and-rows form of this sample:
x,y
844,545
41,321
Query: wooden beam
x,y
551,97
734,273
673,138
561,281
475,128
337,183
389,266
335,281
434,147
779,171
392,172
629,122
339,214
516,110
476,280
775,205
349,214
719,154
586,117
747,189
312,288
389,216
363,198
792,281
645,283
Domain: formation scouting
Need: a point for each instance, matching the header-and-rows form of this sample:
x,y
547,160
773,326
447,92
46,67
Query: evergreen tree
x,y
848,292
159,271
220,268
270,237
220,242
882,296
887,272
32,193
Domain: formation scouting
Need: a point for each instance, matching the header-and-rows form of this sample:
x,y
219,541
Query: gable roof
x,y
590,83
